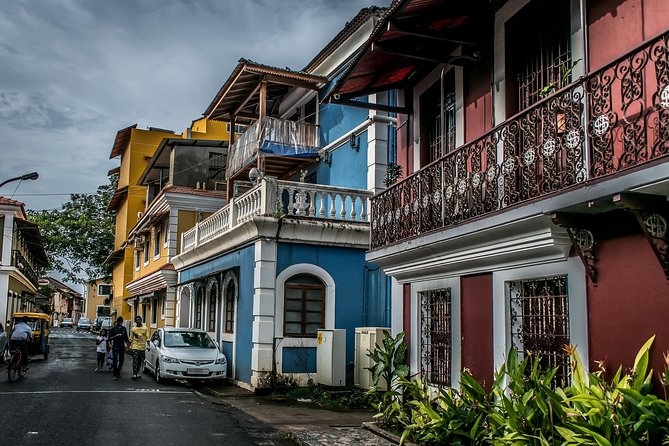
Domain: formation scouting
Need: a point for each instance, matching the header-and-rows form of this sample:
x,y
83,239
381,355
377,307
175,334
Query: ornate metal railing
x,y
21,263
610,120
275,198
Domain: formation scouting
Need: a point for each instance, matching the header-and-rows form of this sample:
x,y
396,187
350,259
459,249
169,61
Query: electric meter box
x,y
366,340
331,357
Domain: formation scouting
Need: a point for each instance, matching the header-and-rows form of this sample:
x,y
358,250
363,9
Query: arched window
x,y
213,299
230,307
199,300
304,306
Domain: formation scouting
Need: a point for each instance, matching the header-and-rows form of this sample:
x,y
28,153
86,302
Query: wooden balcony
x,y
22,264
609,121
276,199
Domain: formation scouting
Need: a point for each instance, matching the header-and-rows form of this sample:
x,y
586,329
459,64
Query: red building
x,y
532,211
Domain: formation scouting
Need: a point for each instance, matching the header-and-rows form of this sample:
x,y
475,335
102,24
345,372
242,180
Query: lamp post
x,y
28,176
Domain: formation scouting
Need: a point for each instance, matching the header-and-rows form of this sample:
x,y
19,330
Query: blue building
x,y
286,255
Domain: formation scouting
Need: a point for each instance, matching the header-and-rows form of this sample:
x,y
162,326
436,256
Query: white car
x,y
184,353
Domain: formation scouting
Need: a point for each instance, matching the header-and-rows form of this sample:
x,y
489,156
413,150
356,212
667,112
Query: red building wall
x,y
478,101
476,326
618,26
630,302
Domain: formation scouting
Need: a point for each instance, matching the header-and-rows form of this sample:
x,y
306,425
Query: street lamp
x,y
28,176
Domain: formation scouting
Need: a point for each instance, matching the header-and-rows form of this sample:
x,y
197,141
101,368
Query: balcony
x,y
272,198
287,143
20,263
606,122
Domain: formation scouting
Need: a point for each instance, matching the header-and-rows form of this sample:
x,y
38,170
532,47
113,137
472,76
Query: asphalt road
x,y
62,401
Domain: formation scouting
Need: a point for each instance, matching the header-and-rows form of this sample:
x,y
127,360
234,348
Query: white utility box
x,y
331,357
366,340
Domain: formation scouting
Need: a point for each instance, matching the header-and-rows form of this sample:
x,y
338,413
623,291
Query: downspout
x,y
357,129
442,127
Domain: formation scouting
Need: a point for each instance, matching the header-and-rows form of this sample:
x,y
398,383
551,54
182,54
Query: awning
x,y
30,232
121,141
240,94
413,37
117,198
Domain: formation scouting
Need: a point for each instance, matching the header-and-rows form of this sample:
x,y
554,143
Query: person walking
x,y
118,336
139,334
101,349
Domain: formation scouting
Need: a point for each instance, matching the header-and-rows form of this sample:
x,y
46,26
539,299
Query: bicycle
x,y
15,368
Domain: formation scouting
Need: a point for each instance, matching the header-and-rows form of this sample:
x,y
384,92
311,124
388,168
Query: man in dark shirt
x,y
118,336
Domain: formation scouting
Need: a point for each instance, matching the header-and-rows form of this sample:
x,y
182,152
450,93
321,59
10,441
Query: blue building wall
x,y
360,288
243,259
299,360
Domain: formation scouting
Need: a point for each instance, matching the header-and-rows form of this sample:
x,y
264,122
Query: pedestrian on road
x,y
3,344
118,336
101,349
140,336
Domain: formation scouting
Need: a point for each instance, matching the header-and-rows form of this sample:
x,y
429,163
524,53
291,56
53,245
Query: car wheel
x,y
159,378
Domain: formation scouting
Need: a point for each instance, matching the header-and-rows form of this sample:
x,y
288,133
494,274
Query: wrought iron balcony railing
x,y
20,262
608,121
275,198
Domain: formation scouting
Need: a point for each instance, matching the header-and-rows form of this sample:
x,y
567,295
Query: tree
x,y
79,236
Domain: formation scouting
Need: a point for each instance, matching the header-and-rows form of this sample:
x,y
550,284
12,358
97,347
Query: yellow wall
x,y
154,262
142,145
93,299
208,129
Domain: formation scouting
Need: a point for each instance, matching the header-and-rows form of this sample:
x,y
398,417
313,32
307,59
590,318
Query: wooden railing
x,y
611,120
281,198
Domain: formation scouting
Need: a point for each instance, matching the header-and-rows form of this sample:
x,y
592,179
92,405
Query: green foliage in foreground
x,y
524,407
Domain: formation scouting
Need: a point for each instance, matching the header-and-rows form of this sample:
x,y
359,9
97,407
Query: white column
x,y
397,314
170,307
7,240
377,147
4,299
263,309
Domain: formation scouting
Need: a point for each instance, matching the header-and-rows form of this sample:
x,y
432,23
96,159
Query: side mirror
x,y
156,342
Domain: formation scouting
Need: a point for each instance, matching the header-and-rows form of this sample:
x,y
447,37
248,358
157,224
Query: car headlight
x,y
169,359
221,360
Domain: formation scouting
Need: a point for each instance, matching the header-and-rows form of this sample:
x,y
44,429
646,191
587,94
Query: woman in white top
x,y
101,343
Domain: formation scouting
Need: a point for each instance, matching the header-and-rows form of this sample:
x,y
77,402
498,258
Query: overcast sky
x,y
73,72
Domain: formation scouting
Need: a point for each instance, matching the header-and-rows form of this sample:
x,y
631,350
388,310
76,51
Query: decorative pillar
x,y
264,277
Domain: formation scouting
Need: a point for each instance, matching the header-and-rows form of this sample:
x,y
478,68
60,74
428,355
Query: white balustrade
x,y
320,202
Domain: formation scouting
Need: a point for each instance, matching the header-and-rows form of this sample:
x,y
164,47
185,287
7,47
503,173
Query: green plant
x,y
389,360
393,173
564,80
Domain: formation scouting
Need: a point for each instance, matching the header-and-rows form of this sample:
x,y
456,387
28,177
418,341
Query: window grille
x,y
539,320
230,307
435,330
198,307
213,298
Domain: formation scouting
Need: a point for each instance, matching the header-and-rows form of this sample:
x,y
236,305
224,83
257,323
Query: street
x,y
62,401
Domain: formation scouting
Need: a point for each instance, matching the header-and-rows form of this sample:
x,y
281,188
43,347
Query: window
x,y
435,336
213,298
199,298
154,311
166,228
156,242
539,321
146,250
304,306
437,139
138,258
104,290
144,312
163,303
538,46
230,307
217,164
135,309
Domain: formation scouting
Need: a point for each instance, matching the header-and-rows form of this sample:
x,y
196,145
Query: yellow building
x,y
135,147
184,182
99,293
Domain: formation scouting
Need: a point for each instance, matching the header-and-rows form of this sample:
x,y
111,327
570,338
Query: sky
x,y
74,72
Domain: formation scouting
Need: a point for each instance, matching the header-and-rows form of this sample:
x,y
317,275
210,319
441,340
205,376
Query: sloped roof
x,y
30,231
9,202
117,198
121,141
60,286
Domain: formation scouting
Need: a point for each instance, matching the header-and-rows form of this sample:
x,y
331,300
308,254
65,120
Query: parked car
x,y
67,322
84,324
106,324
184,353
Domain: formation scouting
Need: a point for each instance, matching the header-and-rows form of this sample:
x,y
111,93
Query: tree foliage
x,y
79,236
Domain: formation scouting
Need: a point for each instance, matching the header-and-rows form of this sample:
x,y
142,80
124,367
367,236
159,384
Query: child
x,y
101,343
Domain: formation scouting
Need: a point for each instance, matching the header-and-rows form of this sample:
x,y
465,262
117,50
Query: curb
x,y
377,430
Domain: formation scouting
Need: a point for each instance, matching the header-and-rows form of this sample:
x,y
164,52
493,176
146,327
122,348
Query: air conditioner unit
x,y
366,340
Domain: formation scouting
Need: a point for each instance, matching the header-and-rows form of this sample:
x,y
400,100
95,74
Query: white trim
x,y
292,270
314,270
414,348
230,276
576,288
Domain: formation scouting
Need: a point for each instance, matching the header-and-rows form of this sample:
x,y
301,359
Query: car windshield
x,y
193,339
84,321
67,319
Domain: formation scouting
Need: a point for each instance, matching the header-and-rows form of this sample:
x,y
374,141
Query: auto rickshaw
x,y
40,324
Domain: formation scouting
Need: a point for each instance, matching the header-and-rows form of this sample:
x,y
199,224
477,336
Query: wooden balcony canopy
x,y
30,233
412,38
240,96
121,141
